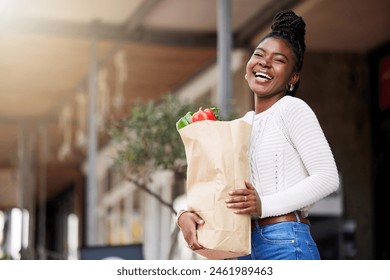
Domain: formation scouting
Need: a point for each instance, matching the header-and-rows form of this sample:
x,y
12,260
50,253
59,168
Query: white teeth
x,y
262,75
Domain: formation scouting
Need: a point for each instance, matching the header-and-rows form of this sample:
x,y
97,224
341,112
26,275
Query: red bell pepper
x,y
206,114
200,115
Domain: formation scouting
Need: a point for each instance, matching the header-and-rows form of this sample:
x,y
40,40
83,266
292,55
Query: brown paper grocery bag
x,y
217,160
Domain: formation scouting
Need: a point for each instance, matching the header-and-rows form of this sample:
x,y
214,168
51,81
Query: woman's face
x,y
271,68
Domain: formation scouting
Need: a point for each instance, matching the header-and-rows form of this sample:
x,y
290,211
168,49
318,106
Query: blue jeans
x,y
283,241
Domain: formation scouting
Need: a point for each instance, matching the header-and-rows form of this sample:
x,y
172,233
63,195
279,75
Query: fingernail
x,y
228,200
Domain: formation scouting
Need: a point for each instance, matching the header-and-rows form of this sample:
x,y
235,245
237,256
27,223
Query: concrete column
x,y
224,89
92,183
41,240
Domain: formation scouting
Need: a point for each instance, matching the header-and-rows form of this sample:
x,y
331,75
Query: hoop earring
x,y
246,76
290,87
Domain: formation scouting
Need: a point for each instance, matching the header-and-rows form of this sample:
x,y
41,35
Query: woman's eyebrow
x,y
275,53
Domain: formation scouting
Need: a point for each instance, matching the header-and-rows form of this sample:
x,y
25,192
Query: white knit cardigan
x,y
292,165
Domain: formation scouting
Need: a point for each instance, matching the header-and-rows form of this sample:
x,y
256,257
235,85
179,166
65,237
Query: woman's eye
x,y
258,54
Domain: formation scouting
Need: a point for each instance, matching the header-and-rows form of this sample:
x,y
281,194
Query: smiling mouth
x,y
263,75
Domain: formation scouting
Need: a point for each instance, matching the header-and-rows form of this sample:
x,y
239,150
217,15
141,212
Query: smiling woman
x,y
270,69
291,163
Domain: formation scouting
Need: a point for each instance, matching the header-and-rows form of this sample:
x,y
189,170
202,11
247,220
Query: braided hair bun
x,y
288,22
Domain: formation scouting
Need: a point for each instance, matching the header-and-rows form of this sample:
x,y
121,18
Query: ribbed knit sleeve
x,y
302,129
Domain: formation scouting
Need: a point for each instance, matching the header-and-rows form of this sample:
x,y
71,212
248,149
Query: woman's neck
x,y
262,104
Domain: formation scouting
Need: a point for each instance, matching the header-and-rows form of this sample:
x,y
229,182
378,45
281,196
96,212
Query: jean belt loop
x,y
297,215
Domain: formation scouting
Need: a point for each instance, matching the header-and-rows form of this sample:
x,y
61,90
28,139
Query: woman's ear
x,y
294,78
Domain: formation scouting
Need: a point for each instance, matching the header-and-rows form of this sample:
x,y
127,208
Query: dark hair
x,y
290,27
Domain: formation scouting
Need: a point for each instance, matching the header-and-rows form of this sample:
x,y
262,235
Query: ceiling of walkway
x,y
45,49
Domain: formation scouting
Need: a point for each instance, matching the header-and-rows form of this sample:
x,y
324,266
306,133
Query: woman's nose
x,y
264,62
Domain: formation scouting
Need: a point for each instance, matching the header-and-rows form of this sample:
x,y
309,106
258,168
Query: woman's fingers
x,y
188,224
244,201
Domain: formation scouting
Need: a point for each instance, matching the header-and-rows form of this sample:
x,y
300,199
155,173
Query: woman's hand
x,y
245,201
188,222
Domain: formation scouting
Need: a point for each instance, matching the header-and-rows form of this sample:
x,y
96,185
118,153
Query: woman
x,y
292,165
